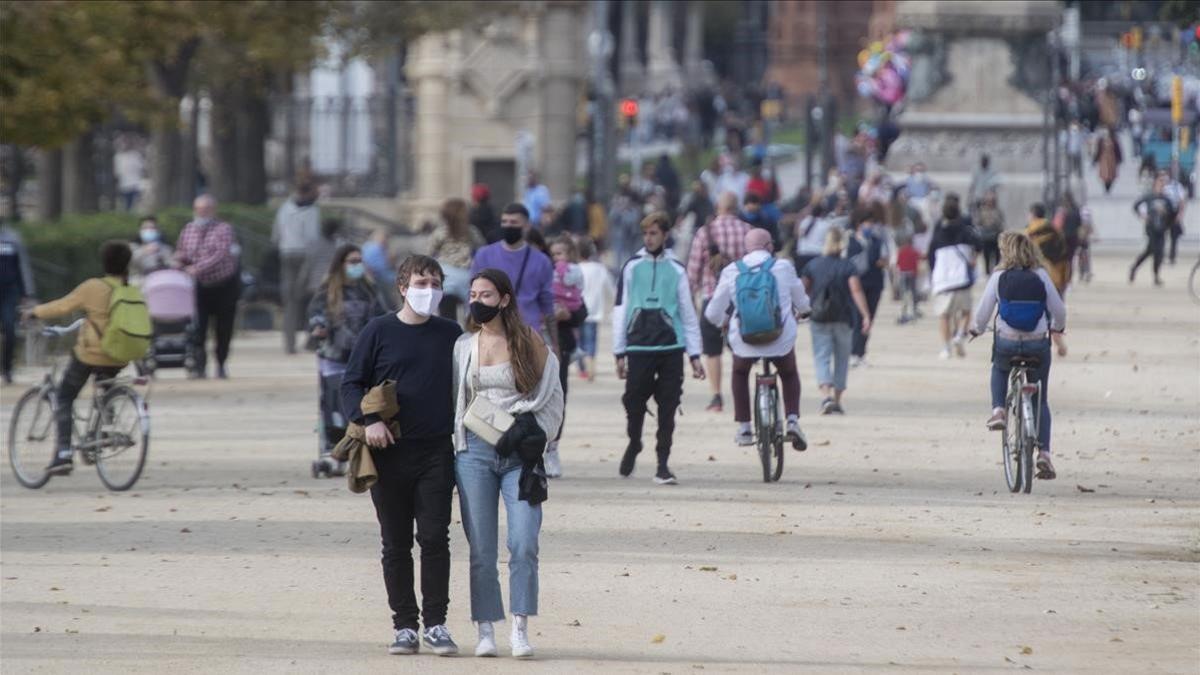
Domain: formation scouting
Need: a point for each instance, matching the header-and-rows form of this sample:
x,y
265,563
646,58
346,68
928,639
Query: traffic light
x,y
629,110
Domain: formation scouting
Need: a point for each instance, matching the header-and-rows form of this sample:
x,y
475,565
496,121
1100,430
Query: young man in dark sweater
x,y
416,470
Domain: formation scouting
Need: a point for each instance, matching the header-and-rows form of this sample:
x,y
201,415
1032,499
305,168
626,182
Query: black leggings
x,y
73,379
859,347
219,301
1154,247
657,374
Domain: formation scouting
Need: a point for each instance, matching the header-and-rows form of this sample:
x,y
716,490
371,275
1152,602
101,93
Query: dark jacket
x,y
526,439
484,219
950,233
360,304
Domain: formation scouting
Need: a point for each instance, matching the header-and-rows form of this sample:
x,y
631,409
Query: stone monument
x,y
979,73
483,93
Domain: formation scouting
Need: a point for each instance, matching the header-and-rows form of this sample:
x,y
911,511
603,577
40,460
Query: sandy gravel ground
x,y
891,545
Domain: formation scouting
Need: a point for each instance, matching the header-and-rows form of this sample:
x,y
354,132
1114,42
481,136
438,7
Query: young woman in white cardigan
x,y
504,361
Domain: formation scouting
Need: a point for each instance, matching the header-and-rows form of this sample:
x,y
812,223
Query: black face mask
x,y
512,234
654,253
483,313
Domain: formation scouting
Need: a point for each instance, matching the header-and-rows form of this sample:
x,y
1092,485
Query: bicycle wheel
x,y
1012,437
1028,441
777,437
767,429
122,439
31,438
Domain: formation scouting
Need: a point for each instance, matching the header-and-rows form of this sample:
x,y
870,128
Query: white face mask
x,y
423,301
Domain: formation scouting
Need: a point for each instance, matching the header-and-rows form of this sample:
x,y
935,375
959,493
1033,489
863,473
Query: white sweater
x,y
546,402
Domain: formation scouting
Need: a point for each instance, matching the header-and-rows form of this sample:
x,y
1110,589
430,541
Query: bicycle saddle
x,y
1024,361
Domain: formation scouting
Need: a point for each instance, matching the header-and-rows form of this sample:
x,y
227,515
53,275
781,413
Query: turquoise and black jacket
x,y
654,310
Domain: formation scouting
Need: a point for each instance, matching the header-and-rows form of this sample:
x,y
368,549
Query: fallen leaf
x,y
711,458
102,509
185,531
1026,650
1084,489
901,628
821,443
708,568
55,588
658,639
1116,639
575,624
732,577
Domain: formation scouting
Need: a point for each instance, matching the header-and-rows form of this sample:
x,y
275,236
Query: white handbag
x,y
483,417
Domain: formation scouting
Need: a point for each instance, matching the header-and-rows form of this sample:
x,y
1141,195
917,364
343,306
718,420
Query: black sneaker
x,y
628,459
837,409
406,642
437,638
827,406
664,476
61,466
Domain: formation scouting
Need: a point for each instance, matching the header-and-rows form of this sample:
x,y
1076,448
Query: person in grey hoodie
x,y
297,225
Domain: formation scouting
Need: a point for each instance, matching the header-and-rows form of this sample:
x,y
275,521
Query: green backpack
x,y
127,337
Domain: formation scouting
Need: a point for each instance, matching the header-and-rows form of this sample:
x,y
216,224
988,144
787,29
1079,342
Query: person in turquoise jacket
x,y
654,324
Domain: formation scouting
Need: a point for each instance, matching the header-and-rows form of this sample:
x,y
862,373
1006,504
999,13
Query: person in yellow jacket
x,y
87,359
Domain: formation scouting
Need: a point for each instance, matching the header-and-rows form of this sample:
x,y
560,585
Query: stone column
x,y
693,43
662,70
631,72
561,39
430,73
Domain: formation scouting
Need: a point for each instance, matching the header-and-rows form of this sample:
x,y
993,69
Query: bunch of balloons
x,y
884,68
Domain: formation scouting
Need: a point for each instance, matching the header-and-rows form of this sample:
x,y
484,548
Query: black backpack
x,y
830,302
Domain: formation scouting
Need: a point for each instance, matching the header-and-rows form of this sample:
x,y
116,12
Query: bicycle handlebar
x,y
59,331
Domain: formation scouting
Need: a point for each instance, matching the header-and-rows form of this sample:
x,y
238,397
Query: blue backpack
x,y
757,299
1022,299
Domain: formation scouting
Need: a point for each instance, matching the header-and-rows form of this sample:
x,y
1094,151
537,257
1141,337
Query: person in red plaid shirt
x,y
209,252
715,246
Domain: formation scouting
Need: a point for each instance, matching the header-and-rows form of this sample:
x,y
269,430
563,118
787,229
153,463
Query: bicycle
x,y
768,424
115,432
1020,437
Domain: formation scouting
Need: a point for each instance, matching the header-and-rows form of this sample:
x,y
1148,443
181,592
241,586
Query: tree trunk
x,y
49,175
166,166
16,176
170,180
79,190
225,180
253,127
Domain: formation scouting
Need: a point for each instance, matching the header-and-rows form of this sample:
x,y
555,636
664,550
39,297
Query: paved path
x,y
891,545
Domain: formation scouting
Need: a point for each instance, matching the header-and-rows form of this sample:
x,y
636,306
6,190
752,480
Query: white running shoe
x,y
521,649
552,462
487,640
944,354
744,437
960,345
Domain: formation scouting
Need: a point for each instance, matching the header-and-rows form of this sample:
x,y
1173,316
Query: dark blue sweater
x,y
421,361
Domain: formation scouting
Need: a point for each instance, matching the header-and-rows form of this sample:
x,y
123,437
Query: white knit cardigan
x,y
546,402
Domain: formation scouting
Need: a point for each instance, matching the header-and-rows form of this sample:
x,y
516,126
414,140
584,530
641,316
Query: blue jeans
x,y
587,337
483,478
1002,351
831,340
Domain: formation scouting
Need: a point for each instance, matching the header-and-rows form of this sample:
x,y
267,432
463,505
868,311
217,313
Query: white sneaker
x,y
944,354
521,649
552,462
856,361
744,437
960,345
487,640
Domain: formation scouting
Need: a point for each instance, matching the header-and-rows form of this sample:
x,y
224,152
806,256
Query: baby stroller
x,y
171,299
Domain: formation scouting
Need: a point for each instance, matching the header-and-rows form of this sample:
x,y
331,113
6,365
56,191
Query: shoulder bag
x,y
483,417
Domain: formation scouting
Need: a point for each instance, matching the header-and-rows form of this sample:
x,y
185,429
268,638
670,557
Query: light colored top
x,y
296,227
545,402
792,298
810,235
598,289
129,168
991,298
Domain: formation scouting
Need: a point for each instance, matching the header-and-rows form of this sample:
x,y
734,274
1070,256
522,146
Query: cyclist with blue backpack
x,y
766,296
654,324
1028,309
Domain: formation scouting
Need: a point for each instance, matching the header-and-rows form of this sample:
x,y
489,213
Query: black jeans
x,y
1176,232
74,377
859,348
1155,242
10,297
657,374
416,483
219,301
991,255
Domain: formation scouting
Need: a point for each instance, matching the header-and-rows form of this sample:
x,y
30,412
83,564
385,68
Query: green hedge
x,y
65,251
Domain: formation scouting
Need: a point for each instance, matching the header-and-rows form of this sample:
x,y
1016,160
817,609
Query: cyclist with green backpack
x,y
765,296
117,330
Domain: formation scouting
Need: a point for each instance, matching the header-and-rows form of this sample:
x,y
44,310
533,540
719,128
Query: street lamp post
x,y
600,48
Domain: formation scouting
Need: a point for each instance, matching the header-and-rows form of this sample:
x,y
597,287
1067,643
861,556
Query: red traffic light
x,y
1127,40
629,107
